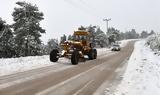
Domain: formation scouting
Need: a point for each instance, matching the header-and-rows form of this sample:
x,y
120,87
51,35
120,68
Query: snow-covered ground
x,y
124,42
142,76
14,65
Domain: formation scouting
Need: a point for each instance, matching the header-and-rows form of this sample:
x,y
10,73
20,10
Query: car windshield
x,y
116,45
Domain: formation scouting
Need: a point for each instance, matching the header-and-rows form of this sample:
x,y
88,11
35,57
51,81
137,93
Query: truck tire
x,y
75,57
54,55
91,54
95,54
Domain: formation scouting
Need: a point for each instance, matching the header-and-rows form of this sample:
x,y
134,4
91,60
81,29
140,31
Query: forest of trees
x,y
102,40
22,38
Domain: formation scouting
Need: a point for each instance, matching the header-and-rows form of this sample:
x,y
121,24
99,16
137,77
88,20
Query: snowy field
x,y
14,65
142,76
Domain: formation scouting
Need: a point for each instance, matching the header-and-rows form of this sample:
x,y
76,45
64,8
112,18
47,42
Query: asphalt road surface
x,y
65,79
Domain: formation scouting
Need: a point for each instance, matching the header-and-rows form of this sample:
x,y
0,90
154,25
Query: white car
x,y
115,47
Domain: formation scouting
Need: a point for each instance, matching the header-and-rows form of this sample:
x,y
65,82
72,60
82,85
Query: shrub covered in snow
x,y
154,42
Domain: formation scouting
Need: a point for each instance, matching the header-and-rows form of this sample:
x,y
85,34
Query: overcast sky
x,y
64,16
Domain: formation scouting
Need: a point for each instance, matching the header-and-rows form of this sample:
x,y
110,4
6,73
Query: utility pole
x,y
106,20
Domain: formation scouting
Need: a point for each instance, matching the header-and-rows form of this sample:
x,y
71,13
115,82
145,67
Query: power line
x,y
87,8
93,9
83,7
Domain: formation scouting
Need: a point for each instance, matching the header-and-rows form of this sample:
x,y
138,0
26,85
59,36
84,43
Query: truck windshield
x,y
116,45
80,37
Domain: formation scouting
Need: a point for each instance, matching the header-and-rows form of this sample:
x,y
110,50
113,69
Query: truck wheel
x,y
75,57
91,54
54,55
95,54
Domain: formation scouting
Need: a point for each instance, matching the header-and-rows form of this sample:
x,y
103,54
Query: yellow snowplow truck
x,y
77,48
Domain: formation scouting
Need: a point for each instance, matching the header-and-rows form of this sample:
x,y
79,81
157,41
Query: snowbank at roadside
x,y
101,51
143,73
123,43
14,65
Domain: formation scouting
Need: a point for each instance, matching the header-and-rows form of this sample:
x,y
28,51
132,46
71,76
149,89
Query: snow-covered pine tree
x,y
52,44
27,28
92,30
144,34
6,40
113,35
63,38
2,24
101,38
70,37
81,28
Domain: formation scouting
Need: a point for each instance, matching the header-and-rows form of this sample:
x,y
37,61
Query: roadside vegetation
x,y
153,42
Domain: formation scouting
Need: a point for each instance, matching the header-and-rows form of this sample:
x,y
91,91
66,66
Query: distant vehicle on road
x,y
115,47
